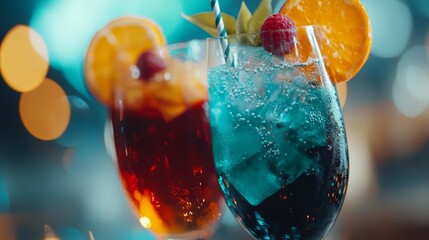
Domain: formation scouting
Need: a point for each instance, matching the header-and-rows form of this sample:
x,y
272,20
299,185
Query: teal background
x,y
386,116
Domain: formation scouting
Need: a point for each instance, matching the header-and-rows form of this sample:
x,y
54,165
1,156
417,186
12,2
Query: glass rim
x,y
183,44
241,35
180,44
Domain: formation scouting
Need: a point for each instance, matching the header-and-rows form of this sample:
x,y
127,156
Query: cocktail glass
x,y
163,143
279,142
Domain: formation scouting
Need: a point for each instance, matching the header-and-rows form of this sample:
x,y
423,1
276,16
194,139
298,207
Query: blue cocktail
x,y
278,137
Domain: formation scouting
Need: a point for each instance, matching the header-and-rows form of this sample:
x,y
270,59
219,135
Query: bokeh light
x,y
69,25
4,197
45,111
417,80
410,89
391,26
24,59
145,222
405,102
342,93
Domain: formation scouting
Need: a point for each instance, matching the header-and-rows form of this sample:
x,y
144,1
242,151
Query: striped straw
x,y
221,30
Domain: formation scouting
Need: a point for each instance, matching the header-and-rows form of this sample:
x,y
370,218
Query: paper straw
x,y
221,30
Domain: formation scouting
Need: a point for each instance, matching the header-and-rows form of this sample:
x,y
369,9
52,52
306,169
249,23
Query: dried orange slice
x,y
114,51
345,32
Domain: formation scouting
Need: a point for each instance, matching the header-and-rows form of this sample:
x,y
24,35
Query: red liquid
x,y
167,169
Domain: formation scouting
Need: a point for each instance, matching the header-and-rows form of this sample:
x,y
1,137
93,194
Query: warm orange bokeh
x,y
23,59
150,218
45,111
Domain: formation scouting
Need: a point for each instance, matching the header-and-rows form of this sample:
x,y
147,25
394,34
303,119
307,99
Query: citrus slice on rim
x,y
345,36
114,50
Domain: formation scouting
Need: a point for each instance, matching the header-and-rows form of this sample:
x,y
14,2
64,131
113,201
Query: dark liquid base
x,y
170,164
304,209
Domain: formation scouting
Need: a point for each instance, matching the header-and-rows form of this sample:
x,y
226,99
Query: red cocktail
x,y
157,98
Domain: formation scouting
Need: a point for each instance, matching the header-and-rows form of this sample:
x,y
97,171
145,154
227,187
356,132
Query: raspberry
x,y
277,34
150,63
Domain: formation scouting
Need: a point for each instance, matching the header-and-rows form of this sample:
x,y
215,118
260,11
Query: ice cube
x,y
237,146
246,91
291,129
311,119
220,117
291,162
254,180
221,130
245,142
302,114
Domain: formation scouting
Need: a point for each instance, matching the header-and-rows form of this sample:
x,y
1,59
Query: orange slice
x,y
345,32
184,88
114,51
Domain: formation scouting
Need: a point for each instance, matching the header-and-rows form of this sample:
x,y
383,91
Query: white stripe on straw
x,y
221,30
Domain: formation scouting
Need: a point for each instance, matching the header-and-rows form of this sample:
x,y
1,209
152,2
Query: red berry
x,y
150,63
277,34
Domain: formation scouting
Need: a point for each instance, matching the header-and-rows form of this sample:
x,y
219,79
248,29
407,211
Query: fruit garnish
x,y
114,50
246,22
344,32
277,34
149,63
183,88
168,86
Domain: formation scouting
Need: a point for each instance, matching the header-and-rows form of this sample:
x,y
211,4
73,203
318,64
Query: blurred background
x,y
57,176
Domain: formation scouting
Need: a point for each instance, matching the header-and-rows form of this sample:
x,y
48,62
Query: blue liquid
x,y
280,147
